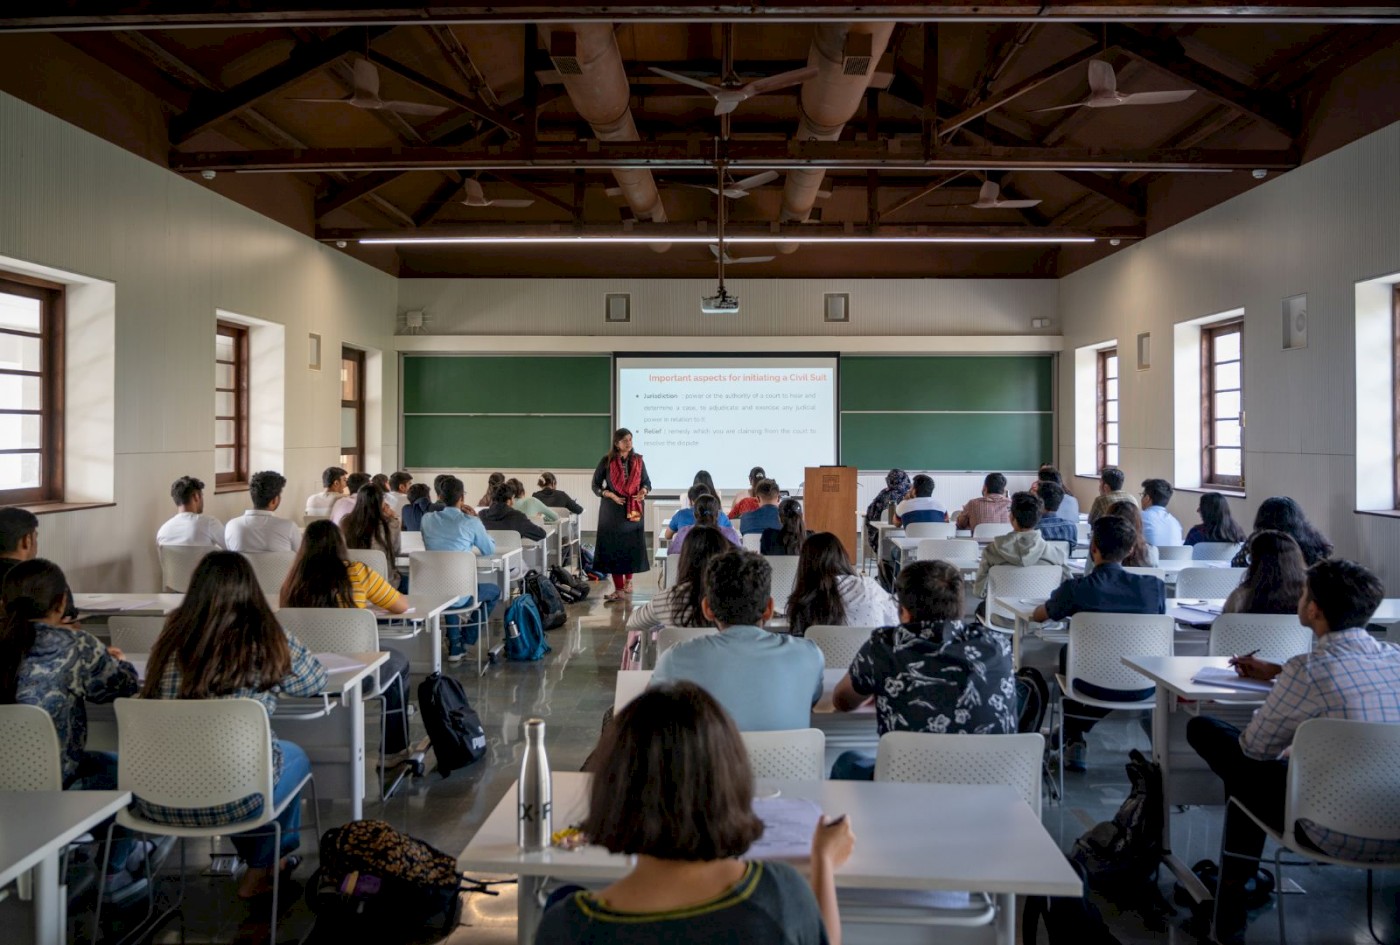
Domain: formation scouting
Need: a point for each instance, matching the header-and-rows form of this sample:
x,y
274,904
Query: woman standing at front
x,y
622,482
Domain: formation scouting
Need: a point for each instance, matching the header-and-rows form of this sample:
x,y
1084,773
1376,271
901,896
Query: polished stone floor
x,y
572,687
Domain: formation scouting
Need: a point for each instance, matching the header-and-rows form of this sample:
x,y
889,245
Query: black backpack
x,y
1123,854
1068,920
1032,699
563,578
453,725
547,599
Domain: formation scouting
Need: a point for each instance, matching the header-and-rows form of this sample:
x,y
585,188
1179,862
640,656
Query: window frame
x,y
1101,400
239,333
1395,392
1209,335
50,296
356,355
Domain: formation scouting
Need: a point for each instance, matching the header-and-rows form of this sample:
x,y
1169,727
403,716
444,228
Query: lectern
x,y
829,504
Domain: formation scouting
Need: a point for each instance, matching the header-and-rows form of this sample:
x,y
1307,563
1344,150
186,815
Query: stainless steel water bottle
x,y
534,815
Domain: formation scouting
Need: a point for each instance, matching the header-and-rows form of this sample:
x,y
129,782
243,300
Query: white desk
x,y
423,649
135,605
35,828
923,837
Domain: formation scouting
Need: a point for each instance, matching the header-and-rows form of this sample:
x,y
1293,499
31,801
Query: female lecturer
x,y
622,482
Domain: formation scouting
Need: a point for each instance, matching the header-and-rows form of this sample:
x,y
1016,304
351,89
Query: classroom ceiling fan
x,y
476,197
740,260
366,95
734,189
730,93
1103,92
989,198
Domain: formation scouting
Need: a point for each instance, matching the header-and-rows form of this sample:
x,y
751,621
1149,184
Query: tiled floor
x,y
572,687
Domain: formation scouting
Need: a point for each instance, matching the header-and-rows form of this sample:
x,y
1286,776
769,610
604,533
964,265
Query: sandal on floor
x,y
615,597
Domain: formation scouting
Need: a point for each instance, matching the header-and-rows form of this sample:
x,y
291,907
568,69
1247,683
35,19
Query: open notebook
x,y
1229,679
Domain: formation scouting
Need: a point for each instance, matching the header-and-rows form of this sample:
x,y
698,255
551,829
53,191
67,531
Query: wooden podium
x,y
829,504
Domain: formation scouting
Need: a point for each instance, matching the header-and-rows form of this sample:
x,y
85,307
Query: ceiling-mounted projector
x,y
721,303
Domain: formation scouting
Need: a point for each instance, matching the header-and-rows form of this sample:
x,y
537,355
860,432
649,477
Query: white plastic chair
x,y
793,755
670,571
134,634
409,542
1277,637
1173,553
506,543
177,564
958,552
928,758
1208,583
444,574
668,637
992,529
197,753
1215,550
1159,573
271,569
1343,776
930,530
752,541
373,558
839,645
1012,582
33,762
784,577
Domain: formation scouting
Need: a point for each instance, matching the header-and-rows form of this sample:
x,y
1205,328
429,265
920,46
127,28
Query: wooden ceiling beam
x,y
1016,91
533,190
461,101
758,231
440,200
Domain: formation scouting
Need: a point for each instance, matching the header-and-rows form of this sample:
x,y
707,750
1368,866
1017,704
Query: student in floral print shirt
x,y
932,673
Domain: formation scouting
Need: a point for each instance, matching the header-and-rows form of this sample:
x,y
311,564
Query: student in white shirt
x,y
190,526
920,505
319,505
258,530
397,497
829,592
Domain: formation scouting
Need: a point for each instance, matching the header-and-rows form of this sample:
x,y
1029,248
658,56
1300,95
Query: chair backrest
x,y
332,629
1012,582
1277,637
1159,573
271,569
1215,550
1343,775
931,530
1098,643
1083,531
949,549
195,752
29,745
992,529
671,636
784,577
177,564
1013,760
134,634
839,645
506,541
752,541
442,574
797,754
672,569
409,542
373,558
1208,583
1174,553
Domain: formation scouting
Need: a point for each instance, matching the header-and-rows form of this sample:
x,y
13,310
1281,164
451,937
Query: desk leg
x,y
355,739
434,629
527,909
48,904
1006,919
1016,633
1161,753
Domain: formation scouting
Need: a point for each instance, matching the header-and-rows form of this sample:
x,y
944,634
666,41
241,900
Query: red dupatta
x,y
626,481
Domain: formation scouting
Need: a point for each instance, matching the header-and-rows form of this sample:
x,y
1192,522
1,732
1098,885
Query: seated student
x,y
1110,492
1282,514
492,481
706,516
1348,675
258,529
920,505
419,503
551,495
754,521
1273,582
1108,590
333,478
381,481
688,883
992,505
367,527
766,681
702,478
679,604
1217,524
1159,527
829,593
932,673
453,529
529,505
502,516
353,484
223,642
324,576
190,526
397,496
1069,507
897,486
686,516
748,501
1053,525
19,537
792,531
1023,546
1142,554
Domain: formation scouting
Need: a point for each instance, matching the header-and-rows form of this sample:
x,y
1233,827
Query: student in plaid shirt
x,y
1348,675
224,643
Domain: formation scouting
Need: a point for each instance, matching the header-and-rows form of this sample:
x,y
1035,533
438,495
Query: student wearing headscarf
x,y
897,486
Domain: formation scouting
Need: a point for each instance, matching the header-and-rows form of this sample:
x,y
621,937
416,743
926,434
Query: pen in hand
x,y
1234,660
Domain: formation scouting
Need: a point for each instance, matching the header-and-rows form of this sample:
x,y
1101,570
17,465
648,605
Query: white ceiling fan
x,y
739,260
1103,92
366,95
476,197
989,198
734,190
727,98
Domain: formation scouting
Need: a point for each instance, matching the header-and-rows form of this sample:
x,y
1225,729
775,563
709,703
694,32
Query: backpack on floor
x,y
589,569
547,600
524,631
1123,854
563,578
1032,699
1067,920
453,725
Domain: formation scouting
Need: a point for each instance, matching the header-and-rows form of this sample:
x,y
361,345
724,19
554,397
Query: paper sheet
x,y
1228,678
788,825
336,662
1194,613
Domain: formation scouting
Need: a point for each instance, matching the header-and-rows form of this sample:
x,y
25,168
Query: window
x,y
1394,390
1222,406
1107,420
352,409
230,404
31,391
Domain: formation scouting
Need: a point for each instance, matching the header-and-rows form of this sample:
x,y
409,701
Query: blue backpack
x,y
528,641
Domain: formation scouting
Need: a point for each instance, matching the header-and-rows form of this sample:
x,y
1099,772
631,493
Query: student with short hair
x,y
492,481
343,505
689,883
748,501
992,505
397,496
766,681
334,486
1023,546
1274,580
419,503
527,504
502,516
368,527
19,537
829,592
1282,514
1111,480
1053,525
791,532
551,495
754,521
706,515
686,516
1217,524
1159,527
932,672
1069,506
189,525
258,529
452,528
920,505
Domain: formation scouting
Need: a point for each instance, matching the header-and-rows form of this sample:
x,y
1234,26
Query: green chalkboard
x,y
1013,442
471,384
507,442
951,383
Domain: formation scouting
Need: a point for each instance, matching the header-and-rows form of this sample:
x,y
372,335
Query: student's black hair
x,y
367,523
995,484
706,509
1052,494
703,478
31,591
438,480
1283,514
923,486
1219,524
400,478
419,490
701,545
517,488
494,480
816,593
1112,477
1275,577
767,489
1114,537
330,474
1158,490
1346,592
930,591
756,475
738,587
183,490
1026,509
265,487
1141,554
1049,473
547,480
16,524
318,577
695,491
451,491
357,480
502,493
792,528
380,482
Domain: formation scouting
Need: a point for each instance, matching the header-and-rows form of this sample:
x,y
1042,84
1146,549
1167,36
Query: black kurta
x,y
622,545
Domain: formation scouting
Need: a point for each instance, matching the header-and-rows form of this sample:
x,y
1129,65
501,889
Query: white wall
x,y
176,253
1317,230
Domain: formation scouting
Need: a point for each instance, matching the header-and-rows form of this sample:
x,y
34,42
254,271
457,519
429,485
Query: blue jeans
x,y
258,849
452,624
97,771
853,766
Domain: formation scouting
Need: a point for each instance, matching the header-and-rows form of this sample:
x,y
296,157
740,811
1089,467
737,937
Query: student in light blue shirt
x,y
1159,527
765,681
456,529
686,516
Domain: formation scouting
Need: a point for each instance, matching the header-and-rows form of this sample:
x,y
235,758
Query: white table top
x,y
632,682
1168,566
339,680
1174,673
137,605
420,607
38,824
949,837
